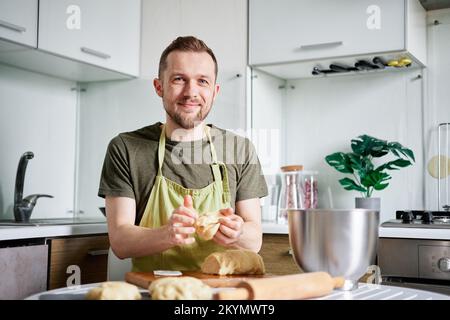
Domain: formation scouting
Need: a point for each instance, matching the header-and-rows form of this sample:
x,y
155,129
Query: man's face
x,y
187,87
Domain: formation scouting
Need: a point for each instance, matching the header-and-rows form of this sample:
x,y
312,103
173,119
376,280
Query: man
x,y
153,198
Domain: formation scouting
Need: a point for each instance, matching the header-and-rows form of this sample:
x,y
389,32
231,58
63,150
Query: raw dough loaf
x,y
207,225
179,288
114,290
233,262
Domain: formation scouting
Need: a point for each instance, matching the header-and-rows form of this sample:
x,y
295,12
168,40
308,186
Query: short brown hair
x,y
188,43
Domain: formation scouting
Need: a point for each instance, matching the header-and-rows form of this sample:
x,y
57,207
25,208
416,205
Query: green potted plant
x,y
367,177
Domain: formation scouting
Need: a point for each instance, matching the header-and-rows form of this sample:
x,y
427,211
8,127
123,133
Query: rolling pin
x,y
295,286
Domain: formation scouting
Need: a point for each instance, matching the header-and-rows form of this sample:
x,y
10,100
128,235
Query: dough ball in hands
x,y
179,288
207,225
114,290
233,262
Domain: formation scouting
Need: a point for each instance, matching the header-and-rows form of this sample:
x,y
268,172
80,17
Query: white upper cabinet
x,y
290,31
18,21
80,40
101,32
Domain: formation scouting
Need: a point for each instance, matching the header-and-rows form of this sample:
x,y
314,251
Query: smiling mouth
x,y
189,105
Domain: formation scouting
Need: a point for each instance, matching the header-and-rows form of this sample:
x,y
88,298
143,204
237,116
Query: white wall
x,y
108,108
325,114
223,27
438,108
116,106
37,113
322,115
268,120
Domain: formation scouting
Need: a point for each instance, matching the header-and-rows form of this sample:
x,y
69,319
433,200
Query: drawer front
x,y
18,21
276,254
103,33
23,271
298,30
89,254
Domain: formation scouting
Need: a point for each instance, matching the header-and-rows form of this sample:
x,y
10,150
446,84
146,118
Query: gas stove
x,y
414,261
419,219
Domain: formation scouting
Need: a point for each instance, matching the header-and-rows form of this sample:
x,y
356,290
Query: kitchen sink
x,y
50,222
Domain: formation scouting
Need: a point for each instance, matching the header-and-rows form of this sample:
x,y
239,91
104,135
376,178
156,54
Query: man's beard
x,y
187,121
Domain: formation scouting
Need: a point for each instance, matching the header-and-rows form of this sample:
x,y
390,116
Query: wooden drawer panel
x,y
276,256
90,254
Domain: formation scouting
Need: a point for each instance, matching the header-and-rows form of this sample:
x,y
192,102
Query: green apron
x,y
166,196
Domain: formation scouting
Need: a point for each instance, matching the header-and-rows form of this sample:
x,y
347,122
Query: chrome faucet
x,y
23,207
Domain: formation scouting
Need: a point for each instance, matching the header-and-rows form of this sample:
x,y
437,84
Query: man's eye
x,y
203,81
178,79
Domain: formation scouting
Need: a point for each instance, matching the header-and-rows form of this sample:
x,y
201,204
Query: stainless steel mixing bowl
x,y
340,242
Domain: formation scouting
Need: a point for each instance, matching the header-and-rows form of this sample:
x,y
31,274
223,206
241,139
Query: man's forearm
x,y
251,237
134,241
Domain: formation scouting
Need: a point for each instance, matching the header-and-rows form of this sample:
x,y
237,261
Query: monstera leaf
x,y
366,145
376,180
349,184
340,161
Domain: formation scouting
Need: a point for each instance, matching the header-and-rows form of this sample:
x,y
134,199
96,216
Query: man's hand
x,y
230,230
181,223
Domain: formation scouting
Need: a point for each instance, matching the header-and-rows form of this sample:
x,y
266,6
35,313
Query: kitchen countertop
x,y
17,232
414,233
384,232
363,292
275,228
44,231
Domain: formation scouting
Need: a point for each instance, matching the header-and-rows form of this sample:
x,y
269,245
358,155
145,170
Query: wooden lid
x,y
292,168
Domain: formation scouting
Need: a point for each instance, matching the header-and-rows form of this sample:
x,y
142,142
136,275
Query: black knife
x,y
342,68
379,62
316,71
364,65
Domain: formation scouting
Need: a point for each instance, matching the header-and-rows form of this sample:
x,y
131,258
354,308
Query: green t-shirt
x,y
131,165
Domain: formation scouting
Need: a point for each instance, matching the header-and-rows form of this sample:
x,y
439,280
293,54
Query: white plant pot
x,y
368,203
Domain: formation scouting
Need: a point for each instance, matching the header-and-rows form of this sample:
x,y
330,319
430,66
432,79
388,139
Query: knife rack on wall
x,y
377,63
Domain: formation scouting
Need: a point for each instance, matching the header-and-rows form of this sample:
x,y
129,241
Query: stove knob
x,y
407,217
444,264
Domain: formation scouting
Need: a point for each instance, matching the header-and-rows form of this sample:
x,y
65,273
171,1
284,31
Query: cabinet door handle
x,y
323,44
95,53
97,252
12,26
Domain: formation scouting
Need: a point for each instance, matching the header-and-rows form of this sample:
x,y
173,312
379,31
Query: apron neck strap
x,y
213,149
162,148
215,165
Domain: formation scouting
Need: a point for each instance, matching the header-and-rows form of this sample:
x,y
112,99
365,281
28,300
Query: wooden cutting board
x,y
143,279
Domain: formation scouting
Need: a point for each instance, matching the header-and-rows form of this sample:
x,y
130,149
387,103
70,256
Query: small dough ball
x,y
433,167
207,225
179,288
233,262
114,290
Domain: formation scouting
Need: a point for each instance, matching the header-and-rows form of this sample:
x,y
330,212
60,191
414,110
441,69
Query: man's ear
x,y
216,91
157,83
